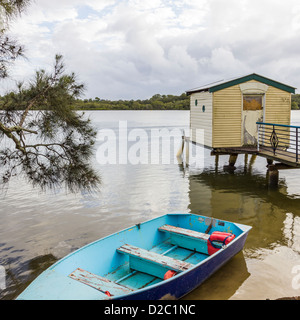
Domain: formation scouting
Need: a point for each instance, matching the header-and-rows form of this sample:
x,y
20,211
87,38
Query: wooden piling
x,y
180,151
216,163
273,176
232,159
187,152
246,162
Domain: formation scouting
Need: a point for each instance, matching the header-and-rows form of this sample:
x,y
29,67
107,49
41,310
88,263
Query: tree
x,y
41,136
295,105
10,49
295,101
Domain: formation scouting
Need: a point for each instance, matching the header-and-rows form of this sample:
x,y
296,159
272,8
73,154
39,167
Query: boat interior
x,y
174,249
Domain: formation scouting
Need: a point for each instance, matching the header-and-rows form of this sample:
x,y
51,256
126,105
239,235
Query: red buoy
x,y
169,274
218,239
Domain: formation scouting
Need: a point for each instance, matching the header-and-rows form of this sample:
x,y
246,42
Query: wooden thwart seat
x,y
187,238
151,262
184,232
102,284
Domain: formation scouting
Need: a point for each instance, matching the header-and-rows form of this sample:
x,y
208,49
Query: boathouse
x,y
228,111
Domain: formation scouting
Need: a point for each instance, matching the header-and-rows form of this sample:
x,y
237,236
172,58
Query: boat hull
x,y
105,262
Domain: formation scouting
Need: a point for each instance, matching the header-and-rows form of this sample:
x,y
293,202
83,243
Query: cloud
x,y
133,49
222,60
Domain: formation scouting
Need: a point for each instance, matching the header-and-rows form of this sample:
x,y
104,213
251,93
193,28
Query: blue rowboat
x,y
163,258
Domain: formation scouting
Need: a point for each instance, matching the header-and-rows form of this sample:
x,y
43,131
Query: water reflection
x,y
30,270
291,231
273,245
224,283
243,197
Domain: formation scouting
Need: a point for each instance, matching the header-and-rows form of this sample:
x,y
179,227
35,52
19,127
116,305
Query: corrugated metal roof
x,y
222,84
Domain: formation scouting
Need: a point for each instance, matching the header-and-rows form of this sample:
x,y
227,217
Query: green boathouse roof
x,y
223,84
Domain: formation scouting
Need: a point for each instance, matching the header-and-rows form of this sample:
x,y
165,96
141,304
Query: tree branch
x,y
9,134
19,129
30,105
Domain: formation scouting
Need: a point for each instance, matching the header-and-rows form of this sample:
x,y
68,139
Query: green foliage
x,y
10,8
50,143
10,49
295,101
157,102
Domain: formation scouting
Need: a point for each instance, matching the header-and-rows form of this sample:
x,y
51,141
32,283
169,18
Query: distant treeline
x,y
157,102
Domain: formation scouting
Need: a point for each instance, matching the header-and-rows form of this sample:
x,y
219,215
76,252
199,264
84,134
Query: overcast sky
x,y
133,49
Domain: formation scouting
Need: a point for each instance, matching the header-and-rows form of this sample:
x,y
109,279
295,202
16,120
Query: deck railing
x,y
281,140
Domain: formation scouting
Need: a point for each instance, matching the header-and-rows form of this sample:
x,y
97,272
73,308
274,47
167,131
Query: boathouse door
x,y
252,112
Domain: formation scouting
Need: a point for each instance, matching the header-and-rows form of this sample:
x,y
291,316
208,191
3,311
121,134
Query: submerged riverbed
x,y
37,229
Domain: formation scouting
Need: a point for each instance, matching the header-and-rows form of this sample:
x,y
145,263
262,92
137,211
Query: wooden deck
x,y
282,156
234,150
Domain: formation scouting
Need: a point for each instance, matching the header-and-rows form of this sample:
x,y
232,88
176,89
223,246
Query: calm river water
x,y
38,228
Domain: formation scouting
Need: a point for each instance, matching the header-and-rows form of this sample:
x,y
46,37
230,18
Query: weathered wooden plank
x,y
185,232
237,150
155,258
185,238
99,283
284,157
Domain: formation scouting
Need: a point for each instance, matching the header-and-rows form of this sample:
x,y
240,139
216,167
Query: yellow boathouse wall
x,y
227,113
227,117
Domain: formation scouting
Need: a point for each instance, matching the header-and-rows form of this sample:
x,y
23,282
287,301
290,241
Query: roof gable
x,y
216,86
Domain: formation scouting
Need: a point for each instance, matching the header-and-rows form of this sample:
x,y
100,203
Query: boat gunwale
x,y
244,230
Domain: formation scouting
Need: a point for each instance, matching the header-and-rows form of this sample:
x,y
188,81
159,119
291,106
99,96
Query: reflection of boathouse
x,y
273,245
244,198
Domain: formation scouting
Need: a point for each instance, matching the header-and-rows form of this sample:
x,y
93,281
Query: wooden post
x,y
232,159
180,151
187,152
252,160
245,162
216,163
246,159
273,176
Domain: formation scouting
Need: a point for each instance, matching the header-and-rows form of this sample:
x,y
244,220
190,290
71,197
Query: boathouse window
x,y
203,108
253,102
196,102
